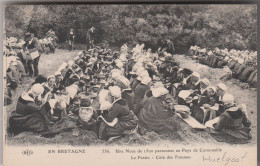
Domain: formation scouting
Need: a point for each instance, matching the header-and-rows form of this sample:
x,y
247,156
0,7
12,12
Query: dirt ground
x,y
185,136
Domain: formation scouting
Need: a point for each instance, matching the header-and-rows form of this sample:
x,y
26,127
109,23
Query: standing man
x,y
70,39
89,38
170,46
31,48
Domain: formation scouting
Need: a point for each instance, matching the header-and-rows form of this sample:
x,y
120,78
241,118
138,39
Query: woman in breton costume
x,y
137,81
119,119
28,115
204,83
63,69
140,91
112,80
149,94
233,125
75,76
156,114
204,109
126,92
221,91
67,71
59,87
193,81
49,85
183,75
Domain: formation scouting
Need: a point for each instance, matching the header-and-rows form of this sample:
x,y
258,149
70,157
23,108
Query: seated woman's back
x,y
232,120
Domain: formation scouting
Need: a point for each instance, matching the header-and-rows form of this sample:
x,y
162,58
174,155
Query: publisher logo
x,y
27,152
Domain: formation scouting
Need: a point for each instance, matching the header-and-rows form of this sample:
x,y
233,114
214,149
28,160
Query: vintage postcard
x,y
133,84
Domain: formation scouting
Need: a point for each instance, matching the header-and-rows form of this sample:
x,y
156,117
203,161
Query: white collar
x,y
184,81
88,107
126,89
202,90
26,97
116,100
197,82
30,42
77,76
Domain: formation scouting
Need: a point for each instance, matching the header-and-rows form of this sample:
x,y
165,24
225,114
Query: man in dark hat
x,y
70,39
87,115
89,38
31,47
182,76
174,77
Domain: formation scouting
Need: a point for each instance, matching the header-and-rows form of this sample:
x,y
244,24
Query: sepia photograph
x,y
131,75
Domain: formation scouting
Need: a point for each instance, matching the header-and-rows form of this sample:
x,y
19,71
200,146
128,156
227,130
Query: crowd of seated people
x,y
238,64
16,67
115,93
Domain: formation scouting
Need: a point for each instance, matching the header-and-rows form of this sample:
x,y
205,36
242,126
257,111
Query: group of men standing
x,y
89,38
168,45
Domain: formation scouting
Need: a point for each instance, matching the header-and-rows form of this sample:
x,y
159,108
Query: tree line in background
x,y
207,26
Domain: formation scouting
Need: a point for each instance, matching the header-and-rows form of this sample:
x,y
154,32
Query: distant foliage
x,y
17,19
207,26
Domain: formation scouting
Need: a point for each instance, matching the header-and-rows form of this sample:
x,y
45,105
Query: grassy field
x,y
185,136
